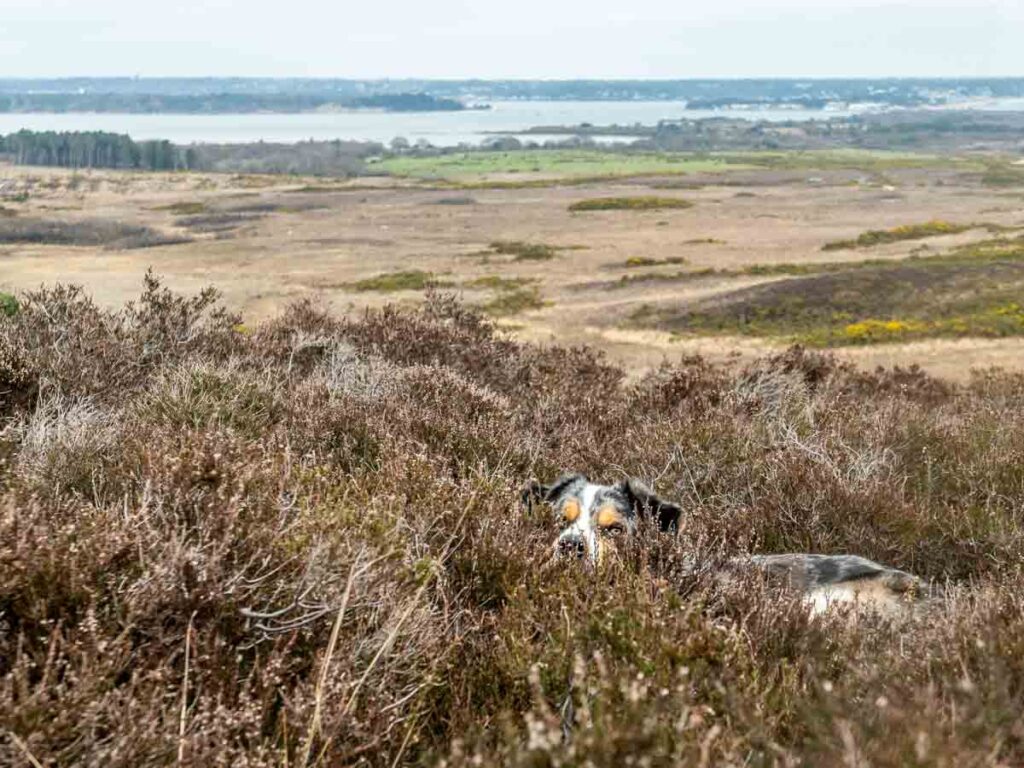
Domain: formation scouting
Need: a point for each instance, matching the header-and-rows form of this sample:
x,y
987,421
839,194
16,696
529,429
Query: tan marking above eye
x,y
571,510
609,516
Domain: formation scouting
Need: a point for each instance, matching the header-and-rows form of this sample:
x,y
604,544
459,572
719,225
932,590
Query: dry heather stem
x,y
314,723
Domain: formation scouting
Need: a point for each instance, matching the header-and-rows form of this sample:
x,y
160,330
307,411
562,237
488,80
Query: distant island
x,y
220,103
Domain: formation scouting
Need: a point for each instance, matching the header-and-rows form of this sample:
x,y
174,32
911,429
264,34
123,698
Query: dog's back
x,y
836,579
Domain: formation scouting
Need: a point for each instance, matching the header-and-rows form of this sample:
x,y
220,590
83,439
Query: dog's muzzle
x,y
572,546
575,548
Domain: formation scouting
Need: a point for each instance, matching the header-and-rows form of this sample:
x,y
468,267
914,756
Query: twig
x,y
183,717
405,741
24,748
314,723
384,646
705,745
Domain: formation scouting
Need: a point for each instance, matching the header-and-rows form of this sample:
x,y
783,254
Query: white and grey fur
x,y
583,535
824,580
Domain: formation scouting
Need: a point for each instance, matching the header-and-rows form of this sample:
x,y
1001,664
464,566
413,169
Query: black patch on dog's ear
x,y
645,501
535,491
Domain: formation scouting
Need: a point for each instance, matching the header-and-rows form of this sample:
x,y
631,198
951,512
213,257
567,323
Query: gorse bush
x,y
301,544
900,233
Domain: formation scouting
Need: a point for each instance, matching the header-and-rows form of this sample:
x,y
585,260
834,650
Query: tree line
x,y
99,149
94,149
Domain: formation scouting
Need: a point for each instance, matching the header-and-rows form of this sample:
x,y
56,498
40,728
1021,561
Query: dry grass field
x,y
556,262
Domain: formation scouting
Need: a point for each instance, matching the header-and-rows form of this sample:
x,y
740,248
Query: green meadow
x,y
569,163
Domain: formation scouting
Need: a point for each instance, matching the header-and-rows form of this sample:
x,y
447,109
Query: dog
x,y
593,516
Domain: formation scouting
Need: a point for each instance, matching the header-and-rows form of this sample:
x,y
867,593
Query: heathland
x,y
886,257
299,541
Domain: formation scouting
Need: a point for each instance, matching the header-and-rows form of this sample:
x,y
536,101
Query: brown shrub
x,y
309,535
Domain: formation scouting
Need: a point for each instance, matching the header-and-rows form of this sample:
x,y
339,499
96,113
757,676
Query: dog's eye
x,y
571,510
608,516
615,529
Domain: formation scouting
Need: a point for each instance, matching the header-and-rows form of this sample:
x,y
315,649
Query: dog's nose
x,y
572,546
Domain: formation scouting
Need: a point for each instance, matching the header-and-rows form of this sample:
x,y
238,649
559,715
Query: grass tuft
x,y
646,261
522,251
499,283
642,203
514,301
406,280
184,208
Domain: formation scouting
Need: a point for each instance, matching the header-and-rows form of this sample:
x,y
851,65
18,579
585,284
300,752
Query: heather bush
x,y
301,544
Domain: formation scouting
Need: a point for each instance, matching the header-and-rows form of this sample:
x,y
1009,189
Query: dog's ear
x,y
646,502
534,491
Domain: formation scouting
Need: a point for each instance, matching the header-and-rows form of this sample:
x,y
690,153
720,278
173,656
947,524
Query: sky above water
x,y
521,39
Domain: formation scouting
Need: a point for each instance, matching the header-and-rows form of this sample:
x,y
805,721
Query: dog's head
x,y
592,516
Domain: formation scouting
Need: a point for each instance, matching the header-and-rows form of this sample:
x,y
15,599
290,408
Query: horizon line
x,y
403,78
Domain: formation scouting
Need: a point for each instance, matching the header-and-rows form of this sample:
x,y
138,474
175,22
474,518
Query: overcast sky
x,y
513,38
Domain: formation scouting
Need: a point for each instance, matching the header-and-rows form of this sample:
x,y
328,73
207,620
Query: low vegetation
x,y
903,232
1003,175
647,261
521,251
405,280
512,294
227,217
642,203
563,163
8,304
972,291
218,222
533,183
513,301
454,200
110,234
749,270
184,208
867,160
302,544
985,251
499,283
